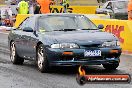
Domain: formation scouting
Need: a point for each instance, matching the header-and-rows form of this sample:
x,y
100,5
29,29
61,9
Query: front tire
x,y
111,66
15,59
42,61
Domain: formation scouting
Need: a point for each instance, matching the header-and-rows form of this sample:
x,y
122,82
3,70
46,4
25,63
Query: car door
x,y
29,40
20,42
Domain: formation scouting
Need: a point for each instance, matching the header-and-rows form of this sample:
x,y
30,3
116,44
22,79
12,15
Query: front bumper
x,y
90,62
56,57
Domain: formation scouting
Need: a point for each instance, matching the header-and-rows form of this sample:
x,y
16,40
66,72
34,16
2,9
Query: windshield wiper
x,y
89,29
65,30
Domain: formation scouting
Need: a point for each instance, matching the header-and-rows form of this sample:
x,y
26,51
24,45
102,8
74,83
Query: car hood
x,y
80,37
118,11
100,9
121,11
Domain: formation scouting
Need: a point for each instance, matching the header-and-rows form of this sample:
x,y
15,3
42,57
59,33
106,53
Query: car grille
x,y
91,58
91,45
82,58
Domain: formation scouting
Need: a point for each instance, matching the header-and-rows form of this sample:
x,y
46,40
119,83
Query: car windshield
x,y
105,5
121,5
56,23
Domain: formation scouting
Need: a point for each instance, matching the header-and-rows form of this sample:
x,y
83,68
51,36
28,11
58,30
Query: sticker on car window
x,y
41,29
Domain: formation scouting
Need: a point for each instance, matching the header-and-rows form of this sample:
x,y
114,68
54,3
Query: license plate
x,y
92,53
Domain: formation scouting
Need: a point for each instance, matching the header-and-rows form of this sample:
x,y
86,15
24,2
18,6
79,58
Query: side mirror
x,y
109,7
28,29
34,32
100,26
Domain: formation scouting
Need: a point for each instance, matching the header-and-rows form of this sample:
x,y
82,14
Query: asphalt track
x,y
27,75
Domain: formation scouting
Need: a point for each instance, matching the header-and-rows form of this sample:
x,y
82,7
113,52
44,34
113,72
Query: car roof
x,y
118,0
57,14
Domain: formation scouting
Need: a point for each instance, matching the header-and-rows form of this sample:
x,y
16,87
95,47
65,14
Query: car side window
x,y
42,25
105,5
23,24
109,5
30,23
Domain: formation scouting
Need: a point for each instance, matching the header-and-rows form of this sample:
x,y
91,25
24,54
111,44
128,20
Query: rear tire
x,y
111,66
15,59
42,62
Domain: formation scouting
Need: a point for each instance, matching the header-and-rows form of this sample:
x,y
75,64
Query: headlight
x,y
65,45
111,44
118,43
